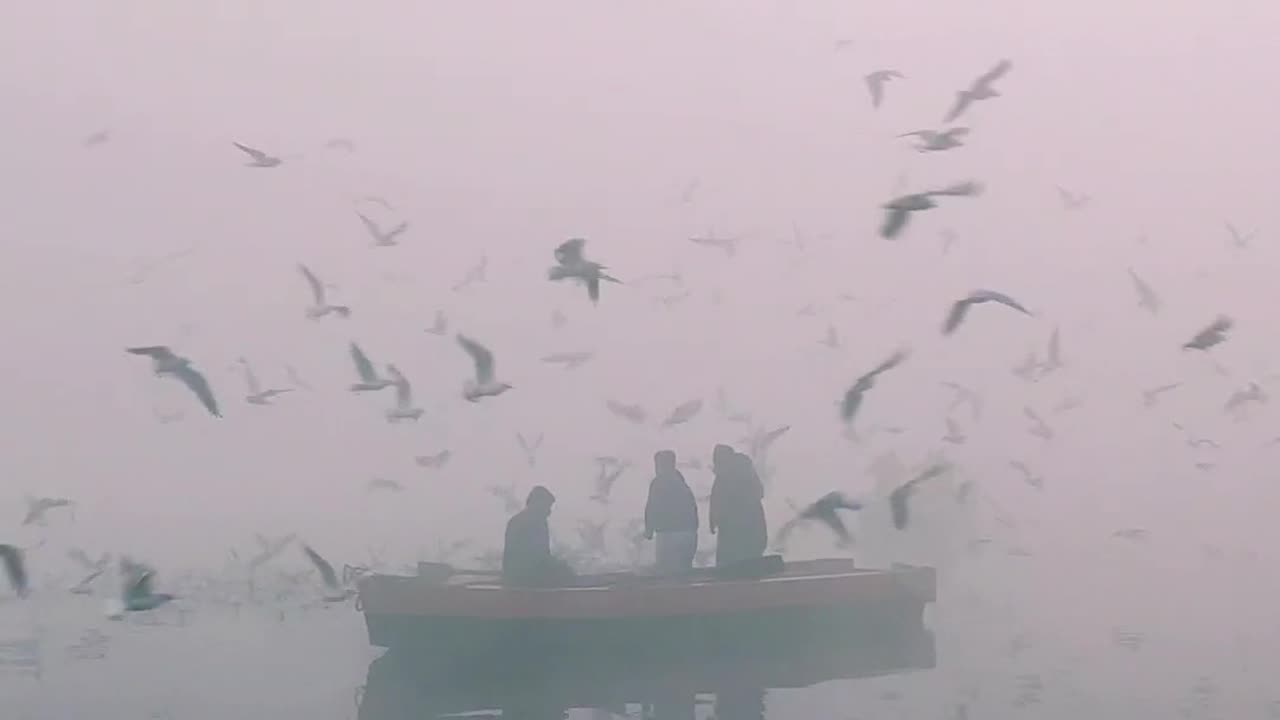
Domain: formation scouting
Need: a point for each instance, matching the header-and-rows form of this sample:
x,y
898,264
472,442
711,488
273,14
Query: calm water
x,y
1015,656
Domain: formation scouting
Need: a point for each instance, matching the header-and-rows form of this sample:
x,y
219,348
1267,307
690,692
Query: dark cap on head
x,y
539,495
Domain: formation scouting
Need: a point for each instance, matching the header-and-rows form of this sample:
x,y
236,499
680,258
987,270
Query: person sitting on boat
x,y
526,551
672,515
737,508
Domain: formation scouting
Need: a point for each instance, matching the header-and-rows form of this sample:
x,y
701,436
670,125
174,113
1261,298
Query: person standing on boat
x,y
526,551
672,515
737,508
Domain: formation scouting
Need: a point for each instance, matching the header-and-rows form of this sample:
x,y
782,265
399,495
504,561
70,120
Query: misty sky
x,y
500,130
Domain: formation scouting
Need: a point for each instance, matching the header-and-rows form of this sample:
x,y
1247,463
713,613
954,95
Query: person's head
x,y
664,462
540,499
721,455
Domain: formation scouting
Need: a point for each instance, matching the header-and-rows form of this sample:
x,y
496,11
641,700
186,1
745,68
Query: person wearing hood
x,y
737,508
671,514
526,551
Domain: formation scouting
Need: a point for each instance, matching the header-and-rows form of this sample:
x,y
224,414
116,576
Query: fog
x,y
498,131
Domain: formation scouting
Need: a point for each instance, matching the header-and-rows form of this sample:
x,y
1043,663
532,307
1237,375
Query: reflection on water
x,y
400,686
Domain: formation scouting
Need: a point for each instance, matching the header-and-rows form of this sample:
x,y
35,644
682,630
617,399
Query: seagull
x,y
900,497
938,140
136,594
404,409
433,461
759,442
260,159
1215,333
606,476
825,511
728,244
257,395
1240,239
474,275
980,90
1252,393
369,378
1053,359
1039,427
570,263
333,592
383,484
832,340
960,308
484,384
269,548
1131,534
876,82
165,362
1150,396
530,449
341,144
1070,200
634,413
954,434
441,325
37,507
900,208
1147,297
15,568
1028,477
853,396
294,378
95,569
382,238
683,413
320,306
1027,369
570,360
98,138
965,396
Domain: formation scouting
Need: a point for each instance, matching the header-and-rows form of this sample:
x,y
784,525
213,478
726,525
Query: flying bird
x,y
876,82
296,379
1147,298
433,461
854,395
960,308
369,378
728,244
530,448
441,325
570,263
832,340
260,159
1212,335
899,209
1239,239
1030,478
955,434
1053,355
569,360
333,591
378,483
1253,393
257,395
900,498
981,89
99,138
1150,396
382,238
938,140
683,413
320,307
95,569
759,442
965,396
15,568
165,362
1039,427
404,408
1070,200
136,590
633,413
474,275
826,511
607,474
37,507
484,384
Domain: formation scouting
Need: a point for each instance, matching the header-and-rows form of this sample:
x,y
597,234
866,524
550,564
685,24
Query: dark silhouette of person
x,y
672,514
737,508
526,551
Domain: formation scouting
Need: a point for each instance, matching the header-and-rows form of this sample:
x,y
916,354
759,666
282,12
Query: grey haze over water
x,y
499,130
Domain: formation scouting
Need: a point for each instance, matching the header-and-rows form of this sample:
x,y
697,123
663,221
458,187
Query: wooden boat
x,y
735,611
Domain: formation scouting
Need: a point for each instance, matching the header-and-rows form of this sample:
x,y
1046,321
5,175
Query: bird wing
x,y
963,100
967,188
480,356
404,392
852,400
396,230
999,297
890,363
569,252
593,289
370,225
364,368
894,220
875,85
255,153
322,566
14,567
959,309
200,386
250,379
995,73
926,135
155,352
317,288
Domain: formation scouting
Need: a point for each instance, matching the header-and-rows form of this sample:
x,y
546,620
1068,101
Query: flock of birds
x,y
571,264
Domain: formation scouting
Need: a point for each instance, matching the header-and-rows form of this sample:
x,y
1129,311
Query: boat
x,y
470,618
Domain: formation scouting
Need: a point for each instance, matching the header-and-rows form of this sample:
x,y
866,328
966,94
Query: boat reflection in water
x,y
400,686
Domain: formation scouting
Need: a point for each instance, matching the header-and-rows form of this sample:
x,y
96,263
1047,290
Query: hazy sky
x,y
500,129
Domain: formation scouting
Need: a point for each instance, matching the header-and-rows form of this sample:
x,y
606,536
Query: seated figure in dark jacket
x,y
672,514
526,552
737,508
